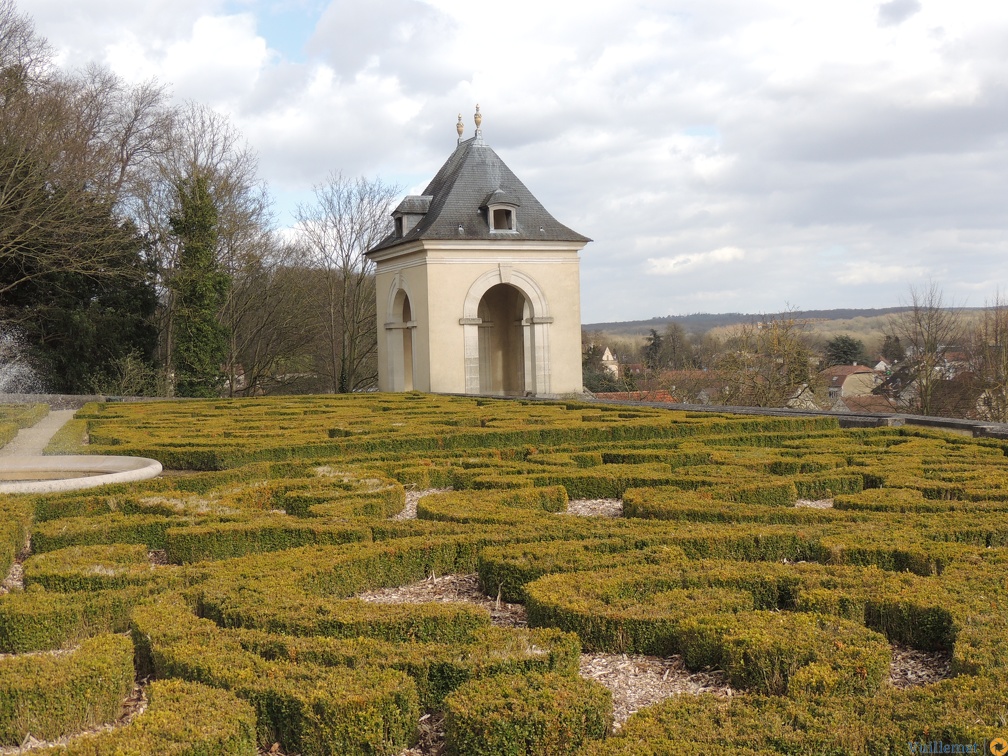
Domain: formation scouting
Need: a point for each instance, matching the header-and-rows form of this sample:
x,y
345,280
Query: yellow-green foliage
x,y
280,519
15,524
7,433
52,695
22,415
36,619
181,719
13,417
310,708
513,715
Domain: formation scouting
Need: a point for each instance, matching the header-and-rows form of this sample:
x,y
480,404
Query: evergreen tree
x,y
199,344
845,350
653,350
677,351
892,349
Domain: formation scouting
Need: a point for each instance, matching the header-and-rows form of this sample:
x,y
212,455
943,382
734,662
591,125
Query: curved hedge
x,y
53,695
270,546
513,715
181,719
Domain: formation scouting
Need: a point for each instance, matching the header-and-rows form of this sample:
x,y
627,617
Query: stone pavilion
x,y
478,286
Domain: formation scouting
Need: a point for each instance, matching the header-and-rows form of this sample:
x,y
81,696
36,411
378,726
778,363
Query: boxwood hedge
x,y
280,518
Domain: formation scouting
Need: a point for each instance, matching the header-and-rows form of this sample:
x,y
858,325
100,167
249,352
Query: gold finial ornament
x,y
459,128
478,119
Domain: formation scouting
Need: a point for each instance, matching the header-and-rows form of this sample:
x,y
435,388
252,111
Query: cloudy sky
x,y
725,155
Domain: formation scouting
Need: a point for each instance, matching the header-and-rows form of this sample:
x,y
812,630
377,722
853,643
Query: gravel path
x,y
30,442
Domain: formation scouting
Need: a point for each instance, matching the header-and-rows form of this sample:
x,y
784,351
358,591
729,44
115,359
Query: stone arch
x,y
399,326
535,320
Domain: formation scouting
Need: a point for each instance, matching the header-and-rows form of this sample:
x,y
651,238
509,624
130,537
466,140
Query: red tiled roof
x,y
845,370
658,395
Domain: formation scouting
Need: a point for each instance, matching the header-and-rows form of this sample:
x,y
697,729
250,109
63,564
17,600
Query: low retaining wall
x,y
975,428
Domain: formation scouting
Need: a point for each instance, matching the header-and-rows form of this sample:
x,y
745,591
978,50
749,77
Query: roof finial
x,y
478,119
459,128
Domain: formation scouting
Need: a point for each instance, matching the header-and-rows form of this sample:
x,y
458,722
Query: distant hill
x,y
701,322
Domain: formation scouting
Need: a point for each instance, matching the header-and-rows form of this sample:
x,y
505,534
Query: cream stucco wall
x,y
859,384
445,281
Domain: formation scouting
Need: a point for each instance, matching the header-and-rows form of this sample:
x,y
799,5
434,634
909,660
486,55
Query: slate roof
x,y
414,205
470,178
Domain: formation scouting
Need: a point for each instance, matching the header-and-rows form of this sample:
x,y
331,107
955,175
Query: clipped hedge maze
x,y
282,515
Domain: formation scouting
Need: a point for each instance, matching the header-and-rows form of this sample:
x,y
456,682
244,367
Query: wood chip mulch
x,y
157,557
412,497
15,576
815,503
451,589
432,736
910,667
273,750
595,507
637,681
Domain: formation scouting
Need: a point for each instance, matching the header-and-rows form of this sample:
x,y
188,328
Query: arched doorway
x,y
520,300
504,349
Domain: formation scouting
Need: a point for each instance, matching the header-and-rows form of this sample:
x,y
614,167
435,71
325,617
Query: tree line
x,y
138,248
938,361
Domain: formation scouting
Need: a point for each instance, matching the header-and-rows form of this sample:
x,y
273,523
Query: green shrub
x,y
52,695
39,620
102,529
507,569
436,668
15,523
223,540
181,719
291,526
514,715
826,485
90,568
309,709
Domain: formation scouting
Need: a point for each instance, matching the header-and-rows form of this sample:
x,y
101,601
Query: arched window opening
x,y
407,338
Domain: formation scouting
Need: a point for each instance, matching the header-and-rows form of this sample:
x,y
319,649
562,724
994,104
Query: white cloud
x,y
866,271
681,263
676,135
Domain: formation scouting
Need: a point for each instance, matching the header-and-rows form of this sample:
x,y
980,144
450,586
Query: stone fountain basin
x,y
72,472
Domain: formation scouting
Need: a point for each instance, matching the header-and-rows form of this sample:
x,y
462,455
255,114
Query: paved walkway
x,y
30,442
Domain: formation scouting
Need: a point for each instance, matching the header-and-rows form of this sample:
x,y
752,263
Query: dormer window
x,y
409,213
501,212
502,219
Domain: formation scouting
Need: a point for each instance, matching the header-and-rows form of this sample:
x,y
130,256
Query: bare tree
x,y
50,218
272,336
201,142
988,353
927,328
121,128
68,145
349,217
23,54
766,363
